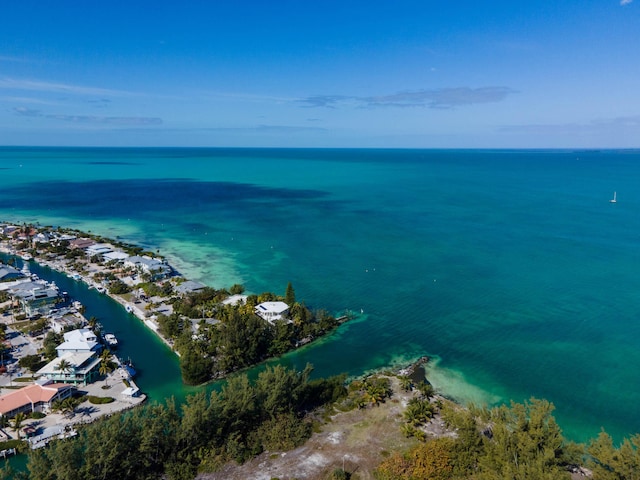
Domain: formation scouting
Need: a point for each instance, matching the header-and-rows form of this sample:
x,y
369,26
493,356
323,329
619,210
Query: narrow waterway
x,y
157,367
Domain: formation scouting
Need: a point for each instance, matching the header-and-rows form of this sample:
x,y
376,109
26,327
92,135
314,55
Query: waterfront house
x,y
152,266
9,274
99,249
61,322
189,287
41,237
37,397
272,311
82,368
81,340
117,256
81,243
35,298
235,300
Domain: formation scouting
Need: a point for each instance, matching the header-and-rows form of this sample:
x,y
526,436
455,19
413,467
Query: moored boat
x,y
111,340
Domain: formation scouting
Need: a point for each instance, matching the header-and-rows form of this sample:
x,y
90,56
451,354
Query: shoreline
x,y
85,268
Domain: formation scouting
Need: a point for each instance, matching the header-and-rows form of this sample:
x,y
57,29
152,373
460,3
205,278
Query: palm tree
x,y
105,369
418,411
64,366
426,389
17,423
405,383
92,322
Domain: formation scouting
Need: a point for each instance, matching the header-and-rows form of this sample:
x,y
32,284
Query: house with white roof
x,y
82,368
99,249
116,255
41,237
36,298
272,311
189,286
156,268
9,274
81,340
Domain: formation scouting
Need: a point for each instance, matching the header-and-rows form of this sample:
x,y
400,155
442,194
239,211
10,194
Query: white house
x,y
272,311
99,249
116,255
82,340
155,267
82,368
35,297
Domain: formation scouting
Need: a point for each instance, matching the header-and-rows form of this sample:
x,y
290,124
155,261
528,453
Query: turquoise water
x,y
510,268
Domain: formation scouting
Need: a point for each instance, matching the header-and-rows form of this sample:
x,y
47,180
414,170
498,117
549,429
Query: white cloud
x,y
8,83
625,2
440,98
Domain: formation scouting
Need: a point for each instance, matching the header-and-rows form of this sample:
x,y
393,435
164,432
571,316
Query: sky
x,y
402,74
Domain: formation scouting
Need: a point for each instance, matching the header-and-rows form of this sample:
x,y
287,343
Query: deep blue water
x,y
511,268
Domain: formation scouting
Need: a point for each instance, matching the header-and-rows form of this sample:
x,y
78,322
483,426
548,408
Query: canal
x,y
157,367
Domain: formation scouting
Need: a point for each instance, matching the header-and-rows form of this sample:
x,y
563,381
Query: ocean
x,y
511,269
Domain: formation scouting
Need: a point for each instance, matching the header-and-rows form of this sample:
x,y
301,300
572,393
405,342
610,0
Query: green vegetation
x,y
237,338
31,362
100,400
118,287
157,440
519,442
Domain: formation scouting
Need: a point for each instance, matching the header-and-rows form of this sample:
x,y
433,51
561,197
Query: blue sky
x,y
414,74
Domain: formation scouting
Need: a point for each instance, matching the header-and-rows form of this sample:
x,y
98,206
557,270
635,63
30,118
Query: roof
x,y
7,272
82,334
235,299
79,362
30,394
189,286
99,249
272,307
81,243
117,255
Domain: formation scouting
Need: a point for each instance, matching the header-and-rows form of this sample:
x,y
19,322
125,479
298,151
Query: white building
x,y
272,311
156,268
82,340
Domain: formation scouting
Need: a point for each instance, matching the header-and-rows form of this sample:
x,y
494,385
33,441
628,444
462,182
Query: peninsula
x,y
214,332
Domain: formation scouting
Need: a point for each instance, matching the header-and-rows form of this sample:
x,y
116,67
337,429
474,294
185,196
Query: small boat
x,y
111,340
613,200
128,308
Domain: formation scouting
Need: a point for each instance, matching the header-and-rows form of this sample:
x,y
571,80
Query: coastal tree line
x,y
240,421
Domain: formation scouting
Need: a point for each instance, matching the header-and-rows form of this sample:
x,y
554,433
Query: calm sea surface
x,y
510,268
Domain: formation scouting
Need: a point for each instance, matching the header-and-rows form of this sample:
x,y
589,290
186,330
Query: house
x,y
59,323
38,397
9,274
81,340
81,243
82,368
188,287
36,298
152,266
235,300
272,311
117,255
41,237
99,249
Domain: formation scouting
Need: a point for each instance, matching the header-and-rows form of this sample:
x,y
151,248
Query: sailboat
x,y
613,200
